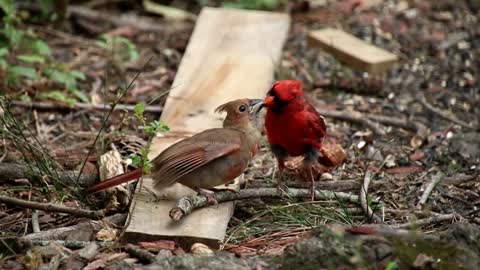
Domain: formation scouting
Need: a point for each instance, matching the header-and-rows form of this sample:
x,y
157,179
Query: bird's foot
x,y
312,191
312,184
209,195
282,189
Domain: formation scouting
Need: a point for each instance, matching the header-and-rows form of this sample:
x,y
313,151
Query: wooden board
x,y
351,50
231,55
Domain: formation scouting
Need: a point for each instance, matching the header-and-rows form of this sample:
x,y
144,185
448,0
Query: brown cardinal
x,y
293,126
207,159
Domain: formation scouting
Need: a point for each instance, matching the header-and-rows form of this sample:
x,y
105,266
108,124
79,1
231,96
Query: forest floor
x,y
416,127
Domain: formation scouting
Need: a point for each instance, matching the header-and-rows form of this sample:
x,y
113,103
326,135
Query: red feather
x,y
291,121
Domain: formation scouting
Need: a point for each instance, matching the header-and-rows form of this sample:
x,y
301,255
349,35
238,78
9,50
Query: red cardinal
x,y
293,126
207,159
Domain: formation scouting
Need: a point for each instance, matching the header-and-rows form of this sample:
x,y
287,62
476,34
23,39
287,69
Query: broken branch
x,y
47,207
189,203
363,198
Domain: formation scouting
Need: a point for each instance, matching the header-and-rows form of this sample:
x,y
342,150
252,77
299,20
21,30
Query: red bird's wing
x,y
190,154
316,123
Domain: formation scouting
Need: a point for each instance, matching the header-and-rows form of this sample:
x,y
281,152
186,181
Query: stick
x,y
352,116
189,203
63,232
35,224
10,172
441,113
363,198
427,221
428,190
333,185
52,208
69,243
139,253
140,22
40,105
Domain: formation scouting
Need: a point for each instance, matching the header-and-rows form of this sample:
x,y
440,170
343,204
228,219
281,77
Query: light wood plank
x,y
352,51
231,55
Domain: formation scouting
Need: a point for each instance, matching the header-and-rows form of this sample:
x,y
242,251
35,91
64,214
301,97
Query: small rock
x,y
424,262
326,176
89,252
417,155
361,144
390,161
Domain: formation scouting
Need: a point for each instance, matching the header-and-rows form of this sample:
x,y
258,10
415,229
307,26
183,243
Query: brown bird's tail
x,y
114,181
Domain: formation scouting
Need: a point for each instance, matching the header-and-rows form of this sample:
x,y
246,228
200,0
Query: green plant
x,y
120,49
253,4
151,129
24,56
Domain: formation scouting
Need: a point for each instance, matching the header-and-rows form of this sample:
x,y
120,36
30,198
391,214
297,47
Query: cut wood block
x,y
231,55
352,51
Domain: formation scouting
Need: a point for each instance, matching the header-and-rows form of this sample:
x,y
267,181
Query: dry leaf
x,y
200,249
107,234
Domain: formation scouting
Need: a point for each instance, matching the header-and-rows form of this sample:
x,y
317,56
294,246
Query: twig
x,y
69,243
9,172
63,232
333,185
139,253
441,113
140,22
41,105
363,198
189,203
353,116
47,207
428,190
427,221
35,224
459,179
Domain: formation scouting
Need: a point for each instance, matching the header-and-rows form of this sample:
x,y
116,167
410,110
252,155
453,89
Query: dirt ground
x,y
416,124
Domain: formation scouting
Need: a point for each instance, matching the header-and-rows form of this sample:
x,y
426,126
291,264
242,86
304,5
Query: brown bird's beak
x,y
256,106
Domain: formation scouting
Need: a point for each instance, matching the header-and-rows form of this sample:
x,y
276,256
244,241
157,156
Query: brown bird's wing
x,y
192,153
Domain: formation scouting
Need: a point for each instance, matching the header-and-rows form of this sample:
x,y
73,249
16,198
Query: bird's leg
x,y
280,153
208,194
311,156
312,182
281,187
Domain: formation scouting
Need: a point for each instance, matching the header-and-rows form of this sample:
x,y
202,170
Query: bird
x,y
207,159
293,126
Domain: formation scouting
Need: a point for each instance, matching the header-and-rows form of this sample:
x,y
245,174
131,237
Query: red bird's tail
x,y
114,181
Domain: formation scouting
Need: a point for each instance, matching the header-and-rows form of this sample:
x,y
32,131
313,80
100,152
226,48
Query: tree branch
x,y
189,203
52,208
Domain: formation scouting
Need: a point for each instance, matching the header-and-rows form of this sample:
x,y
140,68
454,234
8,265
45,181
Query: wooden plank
x,y
231,54
352,51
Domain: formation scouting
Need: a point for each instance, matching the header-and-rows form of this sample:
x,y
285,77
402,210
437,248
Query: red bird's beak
x,y
268,101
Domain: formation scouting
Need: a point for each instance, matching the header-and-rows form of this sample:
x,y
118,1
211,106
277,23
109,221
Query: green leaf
x,y
78,75
42,47
58,95
391,265
3,51
56,75
31,58
27,72
139,109
79,95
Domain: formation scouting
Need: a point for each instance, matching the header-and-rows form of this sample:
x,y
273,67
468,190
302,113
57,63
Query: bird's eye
x,y
242,108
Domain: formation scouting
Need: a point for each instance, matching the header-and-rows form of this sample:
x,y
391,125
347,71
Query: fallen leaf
x,y
405,170
417,155
106,234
